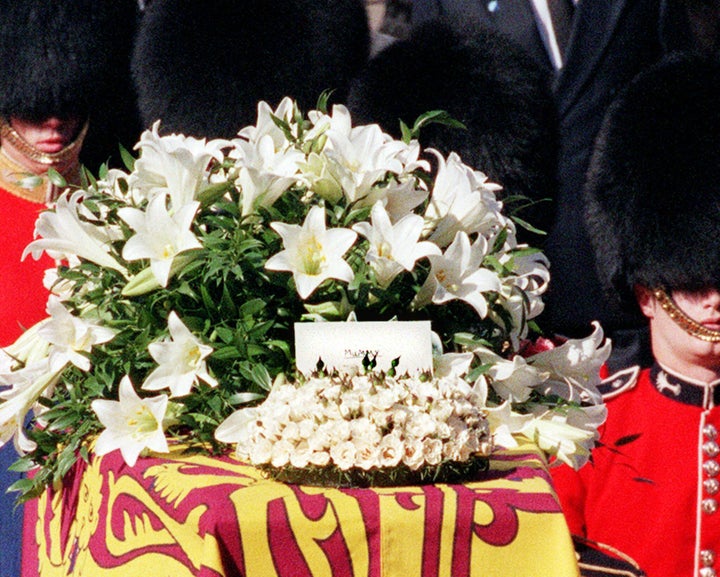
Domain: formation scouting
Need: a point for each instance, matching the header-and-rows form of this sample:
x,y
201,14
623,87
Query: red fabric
x,y
185,514
22,295
643,496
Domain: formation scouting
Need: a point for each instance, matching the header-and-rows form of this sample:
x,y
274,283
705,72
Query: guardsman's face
x,y
50,135
676,347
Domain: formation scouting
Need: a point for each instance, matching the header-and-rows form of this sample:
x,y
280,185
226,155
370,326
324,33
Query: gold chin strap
x,y
8,133
691,327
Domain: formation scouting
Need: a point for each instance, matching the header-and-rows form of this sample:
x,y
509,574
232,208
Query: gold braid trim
x,y
7,132
691,327
11,180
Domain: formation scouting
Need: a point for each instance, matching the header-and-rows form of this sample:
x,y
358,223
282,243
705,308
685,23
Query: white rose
x,y
413,455
383,400
366,453
319,440
291,431
343,454
390,451
300,457
338,430
420,426
281,451
331,393
260,451
399,415
349,404
433,451
363,428
306,428
319,458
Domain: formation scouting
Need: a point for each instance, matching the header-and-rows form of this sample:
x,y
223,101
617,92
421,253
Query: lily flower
x,y
267,164
452,365
512,379
393,248
159,236
313,253
70,336
265,125
260,189
64,234
461,200
319,179
173,165
574,367
27,385
359,159
569,433
131,424
457,274
503,421
29,348
181,361
401,198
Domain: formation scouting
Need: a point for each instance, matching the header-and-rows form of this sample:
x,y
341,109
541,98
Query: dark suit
x,y
611,41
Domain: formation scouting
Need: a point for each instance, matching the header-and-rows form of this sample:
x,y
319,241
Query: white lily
x,y
64,234
181,361
337,121
173,166
359,159
452,365
131,424
458,274
503,421
265,155
313,253
319,178
529,282
401,198
28,384
235,428
115,185
265,125
570,435
512,379
29,348
393,248
71,336
159,236
461,200
574,367
260,188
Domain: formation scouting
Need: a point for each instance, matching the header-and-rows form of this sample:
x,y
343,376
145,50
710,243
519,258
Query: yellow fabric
x,y
192,515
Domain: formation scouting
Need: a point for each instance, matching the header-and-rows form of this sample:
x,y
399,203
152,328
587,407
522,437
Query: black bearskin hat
x,y
68,58
202,67
653,191
485,81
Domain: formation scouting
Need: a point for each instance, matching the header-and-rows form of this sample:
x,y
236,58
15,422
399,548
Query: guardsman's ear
x,y
646,300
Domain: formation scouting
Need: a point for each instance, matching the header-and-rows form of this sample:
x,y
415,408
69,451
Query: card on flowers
x,y
344,345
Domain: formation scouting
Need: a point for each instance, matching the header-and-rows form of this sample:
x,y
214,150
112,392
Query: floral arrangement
x,y
179,280
363,430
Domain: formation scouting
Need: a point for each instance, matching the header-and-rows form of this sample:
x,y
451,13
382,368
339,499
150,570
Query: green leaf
x,y
527,226
226,354
252,308
431,117
323,99
127,158
56,178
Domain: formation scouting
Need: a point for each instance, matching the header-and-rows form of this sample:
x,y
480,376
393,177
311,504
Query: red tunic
x,y
652,488
22,295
